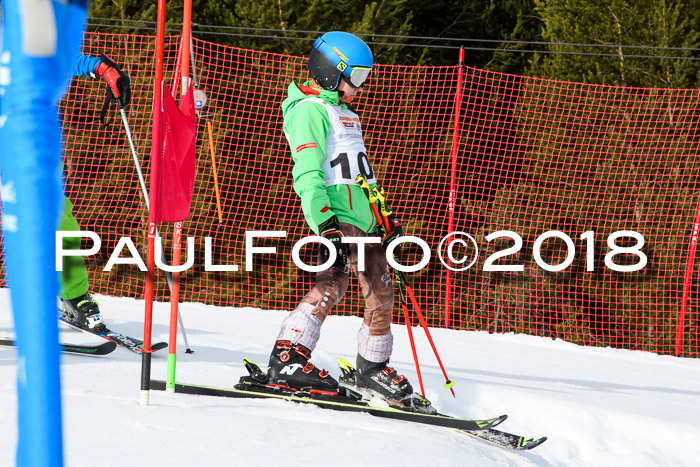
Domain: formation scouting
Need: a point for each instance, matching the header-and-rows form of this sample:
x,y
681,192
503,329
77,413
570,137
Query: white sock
x,y
301,327
374,348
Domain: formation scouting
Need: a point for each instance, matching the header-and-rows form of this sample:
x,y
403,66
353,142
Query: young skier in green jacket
x,y
325,139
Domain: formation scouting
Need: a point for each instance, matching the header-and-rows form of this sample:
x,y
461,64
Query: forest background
x,y
645,43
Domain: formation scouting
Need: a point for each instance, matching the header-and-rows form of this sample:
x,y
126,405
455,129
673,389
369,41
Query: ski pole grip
x,y
369,192
362,181
381,197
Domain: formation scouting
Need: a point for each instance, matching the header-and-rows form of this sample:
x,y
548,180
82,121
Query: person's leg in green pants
x,y
79,307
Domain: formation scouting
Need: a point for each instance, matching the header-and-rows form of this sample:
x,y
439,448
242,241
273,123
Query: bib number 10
x,y
350,168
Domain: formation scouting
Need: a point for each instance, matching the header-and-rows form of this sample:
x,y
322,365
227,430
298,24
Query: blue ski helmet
x,y
339,54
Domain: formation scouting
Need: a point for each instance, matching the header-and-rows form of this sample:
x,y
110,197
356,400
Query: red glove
x,y
118,81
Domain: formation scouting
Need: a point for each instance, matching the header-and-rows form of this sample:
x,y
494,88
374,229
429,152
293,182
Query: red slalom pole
x,y
452,200
154,212
686,282
184,69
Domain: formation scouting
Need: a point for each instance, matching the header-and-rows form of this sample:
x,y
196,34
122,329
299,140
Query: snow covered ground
x,y
599,407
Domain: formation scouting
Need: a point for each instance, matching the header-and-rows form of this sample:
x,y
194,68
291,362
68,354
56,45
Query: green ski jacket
x,y
325,138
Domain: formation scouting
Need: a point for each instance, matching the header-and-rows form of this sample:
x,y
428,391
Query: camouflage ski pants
x,y
375,283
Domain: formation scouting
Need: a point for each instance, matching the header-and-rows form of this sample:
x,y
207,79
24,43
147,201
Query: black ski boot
x,y
290,367
83,312
378,379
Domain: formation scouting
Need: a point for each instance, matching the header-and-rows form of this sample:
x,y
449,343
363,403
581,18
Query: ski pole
x,y
449,384
379,195
208,118
144,190
371,197
407,318
201,101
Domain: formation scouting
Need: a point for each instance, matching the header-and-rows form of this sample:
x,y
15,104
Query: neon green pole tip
x,y
170,378
449,384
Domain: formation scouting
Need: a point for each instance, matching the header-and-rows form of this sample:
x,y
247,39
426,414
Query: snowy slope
x,y
597,406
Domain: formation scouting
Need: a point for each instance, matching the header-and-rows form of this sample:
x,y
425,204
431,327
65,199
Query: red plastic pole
x,y
174,302
452,200
184,69
156,149
688,277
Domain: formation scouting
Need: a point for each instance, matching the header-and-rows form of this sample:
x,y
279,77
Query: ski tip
x,y
108,346
526,444
498,420
158,346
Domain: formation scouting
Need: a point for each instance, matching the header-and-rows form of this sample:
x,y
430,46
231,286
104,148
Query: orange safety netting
x,y
533,156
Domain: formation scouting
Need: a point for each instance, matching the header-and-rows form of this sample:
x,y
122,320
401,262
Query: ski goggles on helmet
x,y
358,75
354,75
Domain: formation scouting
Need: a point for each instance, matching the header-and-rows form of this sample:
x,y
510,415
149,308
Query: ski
x,y
250,387
97,349
504,439
130,343
491,435
326,403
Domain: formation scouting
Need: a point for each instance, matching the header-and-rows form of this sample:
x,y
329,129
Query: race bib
x,y
346,155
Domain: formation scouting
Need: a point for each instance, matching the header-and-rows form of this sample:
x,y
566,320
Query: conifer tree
x,y
658,23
